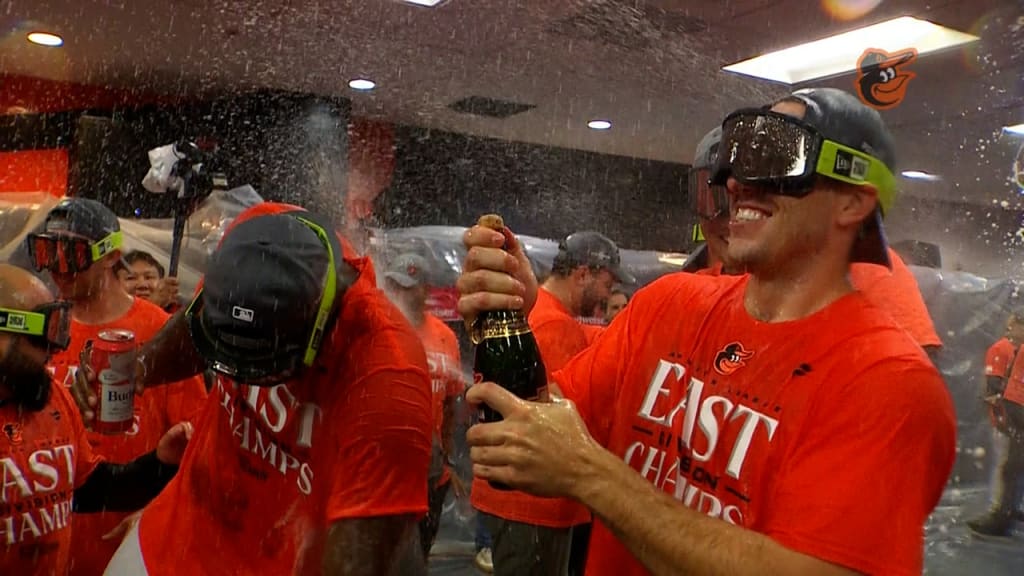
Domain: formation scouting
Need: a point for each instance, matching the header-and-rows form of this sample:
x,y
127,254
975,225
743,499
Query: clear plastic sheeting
x,y
23,213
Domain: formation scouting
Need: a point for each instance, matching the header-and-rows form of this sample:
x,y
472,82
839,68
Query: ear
x,y
854,203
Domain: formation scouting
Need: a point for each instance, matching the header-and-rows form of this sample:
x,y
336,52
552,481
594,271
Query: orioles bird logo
x,y
732,358
13,432
881,81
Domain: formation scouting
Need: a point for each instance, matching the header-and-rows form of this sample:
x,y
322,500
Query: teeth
x,y
748,214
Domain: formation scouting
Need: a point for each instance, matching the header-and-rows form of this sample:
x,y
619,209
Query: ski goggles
x,y
66,254
766,148
48,325
706,200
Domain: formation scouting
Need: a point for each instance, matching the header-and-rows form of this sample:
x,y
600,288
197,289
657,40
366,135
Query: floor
x,y
949,550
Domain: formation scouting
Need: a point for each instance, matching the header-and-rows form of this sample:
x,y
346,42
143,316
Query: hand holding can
x,y
107,367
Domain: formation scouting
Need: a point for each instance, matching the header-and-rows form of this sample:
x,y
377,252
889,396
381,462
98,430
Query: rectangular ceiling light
x,y
1015,130
427,3
838,54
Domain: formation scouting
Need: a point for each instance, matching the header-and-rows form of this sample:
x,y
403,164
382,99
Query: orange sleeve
x,y
456,382
997,359
887,459
384,447
592,332
185,400
590,378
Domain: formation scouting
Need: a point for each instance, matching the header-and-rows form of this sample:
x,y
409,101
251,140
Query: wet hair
x,y
141,256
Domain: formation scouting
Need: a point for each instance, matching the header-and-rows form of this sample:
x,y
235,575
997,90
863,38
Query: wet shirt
x,y
155,412
832,434
44,456
559,337
270,469
999,357
896,291
445,366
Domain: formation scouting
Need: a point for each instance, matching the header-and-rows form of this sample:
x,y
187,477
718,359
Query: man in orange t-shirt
x,y
100,303
49,469
767,423
533,535
1004,380
890,285
405,283
312,453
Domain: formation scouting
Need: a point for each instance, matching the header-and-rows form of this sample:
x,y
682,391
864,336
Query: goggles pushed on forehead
x,y
48,325
707,200
761,147
69,254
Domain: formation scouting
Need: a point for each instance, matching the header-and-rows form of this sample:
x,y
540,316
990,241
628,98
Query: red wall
x,y
34,171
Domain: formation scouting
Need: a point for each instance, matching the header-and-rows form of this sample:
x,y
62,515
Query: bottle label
x,y
504,329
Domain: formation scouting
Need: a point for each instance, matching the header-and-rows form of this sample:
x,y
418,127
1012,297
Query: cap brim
x,y
622,275
238,366
403,280
871,246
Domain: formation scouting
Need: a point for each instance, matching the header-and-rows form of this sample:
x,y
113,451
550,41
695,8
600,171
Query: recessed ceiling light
x,y
45,39
1015,130
427,3
839,54
599,124
362,84
919,175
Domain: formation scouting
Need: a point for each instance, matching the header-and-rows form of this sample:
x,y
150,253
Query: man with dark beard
x,y
48,467
532,535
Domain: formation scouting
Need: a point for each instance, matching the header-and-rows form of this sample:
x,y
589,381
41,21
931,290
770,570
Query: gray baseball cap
x,y
408,270
589,248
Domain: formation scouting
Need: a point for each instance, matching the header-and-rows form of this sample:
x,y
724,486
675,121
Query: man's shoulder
x,y
685,292
370,326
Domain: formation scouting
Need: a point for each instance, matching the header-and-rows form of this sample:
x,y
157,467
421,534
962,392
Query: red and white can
x,y
112,359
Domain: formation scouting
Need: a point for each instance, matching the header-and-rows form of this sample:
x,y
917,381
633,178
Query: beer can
x,y
112,359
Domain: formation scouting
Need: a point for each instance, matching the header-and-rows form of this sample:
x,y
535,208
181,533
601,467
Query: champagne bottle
x,y
506,352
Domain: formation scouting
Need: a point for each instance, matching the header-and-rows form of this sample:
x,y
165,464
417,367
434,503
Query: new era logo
x,y
243,314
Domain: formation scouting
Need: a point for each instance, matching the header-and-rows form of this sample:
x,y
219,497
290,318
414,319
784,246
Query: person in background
x,y
711,205
891,285
49,468
405,283
617,301
143,276
533,535
774,422
313,450
80,246
1003,363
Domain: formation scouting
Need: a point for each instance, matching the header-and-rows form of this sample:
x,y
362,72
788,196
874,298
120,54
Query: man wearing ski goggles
x,y
781,154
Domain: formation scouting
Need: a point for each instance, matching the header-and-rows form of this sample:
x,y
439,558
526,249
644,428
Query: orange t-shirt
x,y
793,429
1014,391
999,357
155,412
445,366
896,291
269,469
559,337
44,456
592,331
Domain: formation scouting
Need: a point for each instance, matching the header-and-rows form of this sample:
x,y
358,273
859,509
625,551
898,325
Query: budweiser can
x,y
112,359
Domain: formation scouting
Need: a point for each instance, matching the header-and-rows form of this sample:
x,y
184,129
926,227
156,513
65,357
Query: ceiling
x,y
652,67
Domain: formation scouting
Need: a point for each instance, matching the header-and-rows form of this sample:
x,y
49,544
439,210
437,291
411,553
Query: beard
x,y
29,383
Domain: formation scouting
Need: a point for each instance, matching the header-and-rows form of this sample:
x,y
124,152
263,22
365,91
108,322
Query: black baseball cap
x,y
83,217
589,248
707,149
839,116
261,296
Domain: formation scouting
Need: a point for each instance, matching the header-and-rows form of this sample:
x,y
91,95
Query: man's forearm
x,y
668,538
170,356
123,487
